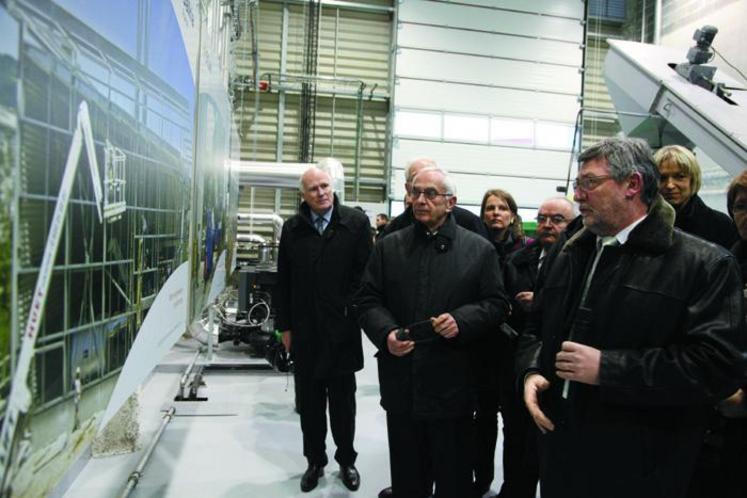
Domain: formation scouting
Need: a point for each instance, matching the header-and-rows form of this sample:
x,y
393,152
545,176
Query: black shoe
x,y
350,477
386,493
310,478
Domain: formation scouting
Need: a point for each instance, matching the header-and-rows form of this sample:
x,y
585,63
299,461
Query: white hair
x,y
446,180
302,187
571,204
423,162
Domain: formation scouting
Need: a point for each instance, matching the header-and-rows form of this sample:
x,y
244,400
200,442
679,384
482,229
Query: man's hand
x,y
286,338
534,384
445,326
397,347
525,299
578,362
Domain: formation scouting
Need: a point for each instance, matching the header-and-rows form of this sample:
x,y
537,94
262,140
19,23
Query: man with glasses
x,y
636,331
323,251
463,217
520,470
430,293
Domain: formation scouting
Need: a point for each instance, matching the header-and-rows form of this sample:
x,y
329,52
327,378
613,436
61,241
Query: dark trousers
x,y
485,435
423,451
313,396
520,453
719,470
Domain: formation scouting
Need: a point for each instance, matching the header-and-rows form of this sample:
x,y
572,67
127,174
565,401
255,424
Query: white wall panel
x,y
484,159
490,20
488,44
573,9
454,97
483,71
494,61
528,192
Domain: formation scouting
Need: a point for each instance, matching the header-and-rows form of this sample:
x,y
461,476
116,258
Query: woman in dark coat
x,y
722,461
679,184
495,361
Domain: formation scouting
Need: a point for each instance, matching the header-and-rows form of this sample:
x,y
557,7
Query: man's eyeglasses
x,y
555,219
589,183
429,193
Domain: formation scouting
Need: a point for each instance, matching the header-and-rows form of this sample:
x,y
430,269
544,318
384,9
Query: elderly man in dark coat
x,y
323,251
637,330
442,285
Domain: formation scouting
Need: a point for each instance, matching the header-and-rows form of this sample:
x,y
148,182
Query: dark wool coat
x,y
413,276
317,277
714,226
667,315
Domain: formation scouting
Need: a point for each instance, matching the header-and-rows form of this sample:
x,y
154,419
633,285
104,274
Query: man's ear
x,y
635,185
451,202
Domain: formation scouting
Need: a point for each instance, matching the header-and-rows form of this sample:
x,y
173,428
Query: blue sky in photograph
x,y
9,36
116,20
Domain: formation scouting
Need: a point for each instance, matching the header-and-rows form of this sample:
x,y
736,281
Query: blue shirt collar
x,y
327,215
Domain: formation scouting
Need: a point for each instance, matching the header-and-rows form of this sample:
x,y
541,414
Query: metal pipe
x,y
185,377
210,327
382,9
276,220
251,237
138,472
657,22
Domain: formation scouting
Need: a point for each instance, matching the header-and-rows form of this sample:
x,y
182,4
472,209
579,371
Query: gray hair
x,y
626,156
426,162
446,180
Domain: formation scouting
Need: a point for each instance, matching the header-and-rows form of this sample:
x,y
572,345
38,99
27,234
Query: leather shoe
x,y
386,493
350,477
310,478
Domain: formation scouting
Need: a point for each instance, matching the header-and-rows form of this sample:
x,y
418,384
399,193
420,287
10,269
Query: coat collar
x,y
448,229
654,234
340,213
527,255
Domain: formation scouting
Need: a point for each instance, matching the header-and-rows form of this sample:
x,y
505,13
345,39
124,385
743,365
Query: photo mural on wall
x,y
104,134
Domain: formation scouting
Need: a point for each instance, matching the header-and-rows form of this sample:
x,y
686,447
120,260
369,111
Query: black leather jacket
x,y
667,315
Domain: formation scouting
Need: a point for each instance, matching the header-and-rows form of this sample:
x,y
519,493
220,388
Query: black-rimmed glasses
x,y
555,219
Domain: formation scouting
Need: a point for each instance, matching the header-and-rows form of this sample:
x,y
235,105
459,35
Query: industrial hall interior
x,y
373,248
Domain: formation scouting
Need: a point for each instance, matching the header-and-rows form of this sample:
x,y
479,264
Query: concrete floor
x,y
245,441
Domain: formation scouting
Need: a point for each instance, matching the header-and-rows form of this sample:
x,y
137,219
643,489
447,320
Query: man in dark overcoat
x,y
323,251
520,466
442,283
637,331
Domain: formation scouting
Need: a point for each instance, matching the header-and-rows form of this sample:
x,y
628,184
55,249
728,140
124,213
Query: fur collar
x,y
654,234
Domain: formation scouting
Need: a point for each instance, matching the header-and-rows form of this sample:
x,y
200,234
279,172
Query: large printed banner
x,y
115,207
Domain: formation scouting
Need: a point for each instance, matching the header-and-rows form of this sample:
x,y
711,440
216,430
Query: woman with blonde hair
x,y
679,185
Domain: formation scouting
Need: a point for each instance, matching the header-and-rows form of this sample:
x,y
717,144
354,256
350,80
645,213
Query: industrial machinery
x,y
666,101
247,315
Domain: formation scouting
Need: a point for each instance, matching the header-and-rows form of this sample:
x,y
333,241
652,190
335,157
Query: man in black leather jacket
x,y
621,369
444,282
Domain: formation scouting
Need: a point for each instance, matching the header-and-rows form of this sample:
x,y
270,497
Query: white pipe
x,y
657,22
273,218
252,237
